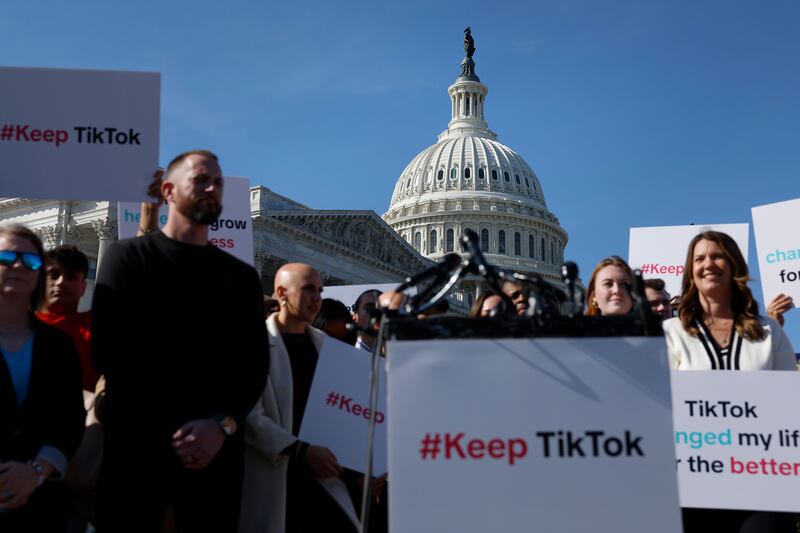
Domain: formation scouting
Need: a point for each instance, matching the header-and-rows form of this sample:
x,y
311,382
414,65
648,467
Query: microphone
x,y
470,245
569,273
447,263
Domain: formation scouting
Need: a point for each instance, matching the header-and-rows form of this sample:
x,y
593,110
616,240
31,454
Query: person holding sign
x,y
718,326
290,485
609,289
41,404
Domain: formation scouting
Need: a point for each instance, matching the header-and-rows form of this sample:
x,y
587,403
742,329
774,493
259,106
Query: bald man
x,y
178,332
291,485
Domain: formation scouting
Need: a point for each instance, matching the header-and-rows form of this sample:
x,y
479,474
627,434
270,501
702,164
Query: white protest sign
x,y
778,247
737,439
516,435
347,294
660,251
337,413
232,232
78,134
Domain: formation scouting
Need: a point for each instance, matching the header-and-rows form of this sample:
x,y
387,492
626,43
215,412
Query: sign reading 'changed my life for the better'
x,y
557,435
78,134
737,439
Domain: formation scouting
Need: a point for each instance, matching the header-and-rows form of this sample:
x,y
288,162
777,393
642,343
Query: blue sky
x,y
632,113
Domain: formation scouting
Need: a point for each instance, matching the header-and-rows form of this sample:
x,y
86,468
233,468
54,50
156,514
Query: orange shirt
x,y
78,327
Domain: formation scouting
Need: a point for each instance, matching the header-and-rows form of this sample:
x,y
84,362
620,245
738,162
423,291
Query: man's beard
x,y
200,212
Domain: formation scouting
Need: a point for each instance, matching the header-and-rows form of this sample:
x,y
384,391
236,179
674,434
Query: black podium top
x,y
454,327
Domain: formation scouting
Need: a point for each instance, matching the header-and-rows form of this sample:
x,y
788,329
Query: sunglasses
x,y
29,261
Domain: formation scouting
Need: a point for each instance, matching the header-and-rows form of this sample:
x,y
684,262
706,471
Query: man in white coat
x,y
290,485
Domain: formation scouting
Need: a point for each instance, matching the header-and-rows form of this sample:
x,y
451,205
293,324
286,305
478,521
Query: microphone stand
x,y
366,495
447,280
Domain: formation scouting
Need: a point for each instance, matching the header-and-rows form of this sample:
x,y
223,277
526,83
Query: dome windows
x,y
481,174
467,173
501,241
432,242
440,175
494,174
506,176
531,246
542,257
484,240
527,183
517,243
449,240
453,173
517,178
418,242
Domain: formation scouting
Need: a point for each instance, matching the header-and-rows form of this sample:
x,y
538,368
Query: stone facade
x,y
348,247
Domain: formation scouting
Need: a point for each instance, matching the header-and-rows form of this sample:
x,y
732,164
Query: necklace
x,y
720,329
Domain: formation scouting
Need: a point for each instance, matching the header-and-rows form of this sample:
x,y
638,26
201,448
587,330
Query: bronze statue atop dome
x,y
469,42
467,64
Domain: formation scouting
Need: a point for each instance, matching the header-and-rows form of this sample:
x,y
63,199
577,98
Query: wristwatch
x,y
227,423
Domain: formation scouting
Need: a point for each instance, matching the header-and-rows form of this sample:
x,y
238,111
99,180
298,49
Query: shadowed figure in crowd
x,y
178,333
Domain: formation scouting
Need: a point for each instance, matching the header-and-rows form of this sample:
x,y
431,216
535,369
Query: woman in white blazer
x,y
718,328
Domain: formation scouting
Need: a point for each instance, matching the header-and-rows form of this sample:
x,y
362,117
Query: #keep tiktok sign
x,y
660,251
557,435
78,134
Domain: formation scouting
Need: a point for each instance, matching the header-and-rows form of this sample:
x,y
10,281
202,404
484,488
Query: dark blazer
x,y
52,414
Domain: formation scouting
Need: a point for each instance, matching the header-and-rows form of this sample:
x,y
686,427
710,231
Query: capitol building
x,y
467,179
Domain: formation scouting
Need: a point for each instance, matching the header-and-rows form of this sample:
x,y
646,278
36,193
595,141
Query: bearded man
x,y
178,333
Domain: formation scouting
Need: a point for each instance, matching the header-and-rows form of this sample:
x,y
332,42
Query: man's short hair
x,y
657,284
362,295
69,259
179,159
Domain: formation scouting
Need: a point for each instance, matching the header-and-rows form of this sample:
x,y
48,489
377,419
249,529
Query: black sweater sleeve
x,y
242,392
123,311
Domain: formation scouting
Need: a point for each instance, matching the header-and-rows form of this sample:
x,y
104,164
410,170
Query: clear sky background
x,y
631,113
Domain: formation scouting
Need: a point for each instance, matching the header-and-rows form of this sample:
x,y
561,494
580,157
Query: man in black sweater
x,y
178,333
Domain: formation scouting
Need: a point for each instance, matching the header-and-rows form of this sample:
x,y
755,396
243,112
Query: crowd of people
x,y
174,406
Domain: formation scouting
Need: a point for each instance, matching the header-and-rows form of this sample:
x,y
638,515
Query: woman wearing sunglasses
x,y
41,404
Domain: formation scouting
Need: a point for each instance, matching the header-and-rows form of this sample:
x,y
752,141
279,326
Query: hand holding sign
x,y
778,306
149,221
322,462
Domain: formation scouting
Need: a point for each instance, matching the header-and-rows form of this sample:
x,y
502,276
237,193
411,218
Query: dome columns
x,y
466,99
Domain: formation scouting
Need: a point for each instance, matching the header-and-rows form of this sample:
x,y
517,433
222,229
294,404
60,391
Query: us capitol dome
x,y
468,179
